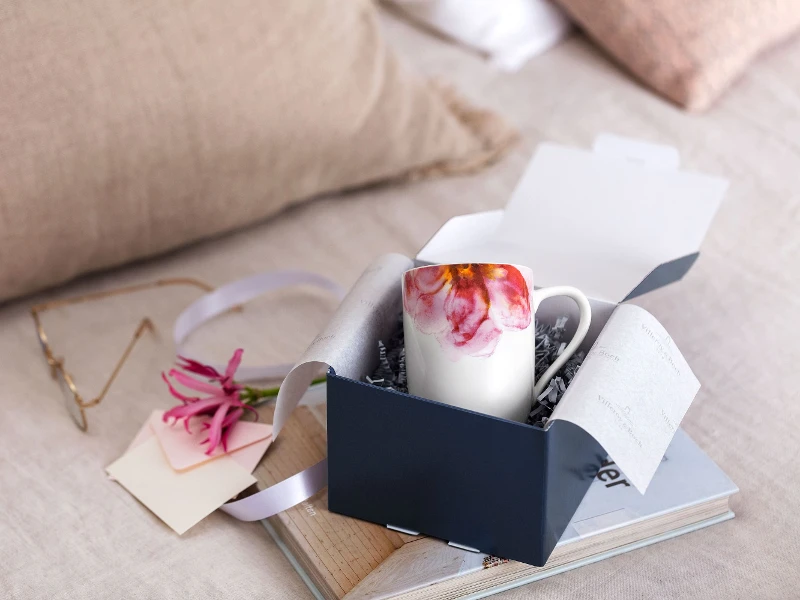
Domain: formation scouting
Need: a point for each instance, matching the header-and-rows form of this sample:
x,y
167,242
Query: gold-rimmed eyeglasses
x,y
76,405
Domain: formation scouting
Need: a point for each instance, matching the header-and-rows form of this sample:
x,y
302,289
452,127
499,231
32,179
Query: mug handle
x,y
583,327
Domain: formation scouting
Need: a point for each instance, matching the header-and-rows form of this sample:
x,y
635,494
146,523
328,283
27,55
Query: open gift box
x,y
615,222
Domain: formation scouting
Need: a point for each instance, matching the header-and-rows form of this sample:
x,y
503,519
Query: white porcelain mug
x,y
470,336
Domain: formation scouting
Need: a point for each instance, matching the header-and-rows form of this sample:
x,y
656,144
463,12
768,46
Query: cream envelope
x,y
184,450
179,499
145,433
247,457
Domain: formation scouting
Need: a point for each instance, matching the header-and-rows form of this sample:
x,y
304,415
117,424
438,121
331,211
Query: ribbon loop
x,y
239,292
308,482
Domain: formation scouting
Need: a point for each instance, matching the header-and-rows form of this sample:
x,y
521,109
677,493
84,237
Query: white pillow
x,y
508,31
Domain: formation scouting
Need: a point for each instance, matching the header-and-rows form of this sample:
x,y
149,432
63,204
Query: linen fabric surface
x,y
68,532
687,51
131,128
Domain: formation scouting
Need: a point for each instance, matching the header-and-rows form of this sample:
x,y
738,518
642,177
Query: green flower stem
x,y
250,395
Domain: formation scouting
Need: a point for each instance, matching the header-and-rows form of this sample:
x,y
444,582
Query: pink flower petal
x,y
215,431
224,439
177,414
466,307
430,315
430,280
233,364
426,290
194,409
509,297
252,410
194,384
482,343
232,417
198,368
235,401
183,398
427,280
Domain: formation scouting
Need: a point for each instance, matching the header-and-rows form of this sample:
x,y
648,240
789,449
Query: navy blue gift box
x,y
484,483
503,488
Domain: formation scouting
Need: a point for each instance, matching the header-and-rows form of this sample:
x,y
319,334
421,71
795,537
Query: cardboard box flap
x,y
603,221
462,238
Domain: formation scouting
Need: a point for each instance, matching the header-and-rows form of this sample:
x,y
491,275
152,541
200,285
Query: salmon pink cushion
x,y
687,50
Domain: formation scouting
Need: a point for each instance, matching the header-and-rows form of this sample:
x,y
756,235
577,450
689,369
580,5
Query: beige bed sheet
x,y
67,532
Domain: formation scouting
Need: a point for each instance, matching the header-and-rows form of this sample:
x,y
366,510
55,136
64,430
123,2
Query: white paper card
x,y
654,156
631,392
601,221
181,500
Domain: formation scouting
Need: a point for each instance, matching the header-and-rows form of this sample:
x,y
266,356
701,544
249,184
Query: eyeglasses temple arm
x,y
145,325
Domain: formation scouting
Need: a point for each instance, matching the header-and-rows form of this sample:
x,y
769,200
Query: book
x,y
341,558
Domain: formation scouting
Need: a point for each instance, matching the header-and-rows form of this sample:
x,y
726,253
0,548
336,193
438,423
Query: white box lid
x,y
620,218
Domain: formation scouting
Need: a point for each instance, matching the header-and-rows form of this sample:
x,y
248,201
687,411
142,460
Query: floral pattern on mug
x,y
467,307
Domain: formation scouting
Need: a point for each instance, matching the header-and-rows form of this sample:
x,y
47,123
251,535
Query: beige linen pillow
x,y
130,128
687,50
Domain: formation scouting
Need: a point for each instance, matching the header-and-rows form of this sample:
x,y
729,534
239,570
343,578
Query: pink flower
x,y
192,366
467,307
222,401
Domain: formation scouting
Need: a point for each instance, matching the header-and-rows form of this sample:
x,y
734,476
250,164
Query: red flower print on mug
x,y
467,307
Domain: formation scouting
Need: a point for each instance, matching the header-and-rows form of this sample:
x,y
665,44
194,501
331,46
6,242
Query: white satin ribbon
x,y
239,292
280,496
308,482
